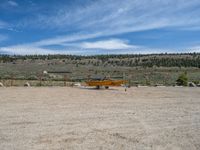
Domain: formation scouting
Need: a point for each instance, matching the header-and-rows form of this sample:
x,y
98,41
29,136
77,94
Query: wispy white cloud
x,y
127,15
60,40
30,50
108,18
111,44
194,49
114,46
73,48
5,26
12,3
23,50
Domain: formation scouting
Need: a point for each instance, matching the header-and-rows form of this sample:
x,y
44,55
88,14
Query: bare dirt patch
x,y
59,118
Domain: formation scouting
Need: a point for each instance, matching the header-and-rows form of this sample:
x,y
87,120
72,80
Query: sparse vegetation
x,y
182,80
151,69
150,60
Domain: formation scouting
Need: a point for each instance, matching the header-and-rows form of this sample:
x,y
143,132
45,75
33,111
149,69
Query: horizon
x,y
94,55
99,27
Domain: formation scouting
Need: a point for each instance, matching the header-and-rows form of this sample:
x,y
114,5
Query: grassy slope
x,y
87,66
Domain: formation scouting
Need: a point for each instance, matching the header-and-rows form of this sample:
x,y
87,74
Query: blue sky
x,y
99,26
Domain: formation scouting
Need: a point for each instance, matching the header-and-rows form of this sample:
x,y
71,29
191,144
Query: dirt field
x,y
59,118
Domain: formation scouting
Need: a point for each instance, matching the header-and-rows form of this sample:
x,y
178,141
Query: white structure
x,y
27,84
1,84
45,72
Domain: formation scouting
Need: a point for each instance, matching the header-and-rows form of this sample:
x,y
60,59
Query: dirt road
x,y
164,118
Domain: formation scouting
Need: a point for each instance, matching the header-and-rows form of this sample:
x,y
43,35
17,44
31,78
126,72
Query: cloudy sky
x,y
99,26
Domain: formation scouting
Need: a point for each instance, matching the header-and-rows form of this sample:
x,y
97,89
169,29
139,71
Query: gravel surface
x,y
59,118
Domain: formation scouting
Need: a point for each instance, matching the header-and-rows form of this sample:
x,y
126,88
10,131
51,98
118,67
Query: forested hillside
x,y
151,60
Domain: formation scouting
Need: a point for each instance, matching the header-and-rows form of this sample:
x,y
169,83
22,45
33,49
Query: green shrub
x,y
196,82
182,80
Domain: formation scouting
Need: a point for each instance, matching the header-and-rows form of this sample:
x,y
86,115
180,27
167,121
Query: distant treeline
x,y
129,60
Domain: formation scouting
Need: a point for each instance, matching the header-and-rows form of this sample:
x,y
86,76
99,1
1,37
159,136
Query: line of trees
x,y
129,60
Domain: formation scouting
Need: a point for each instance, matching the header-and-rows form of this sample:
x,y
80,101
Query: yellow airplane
x,y
105,83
